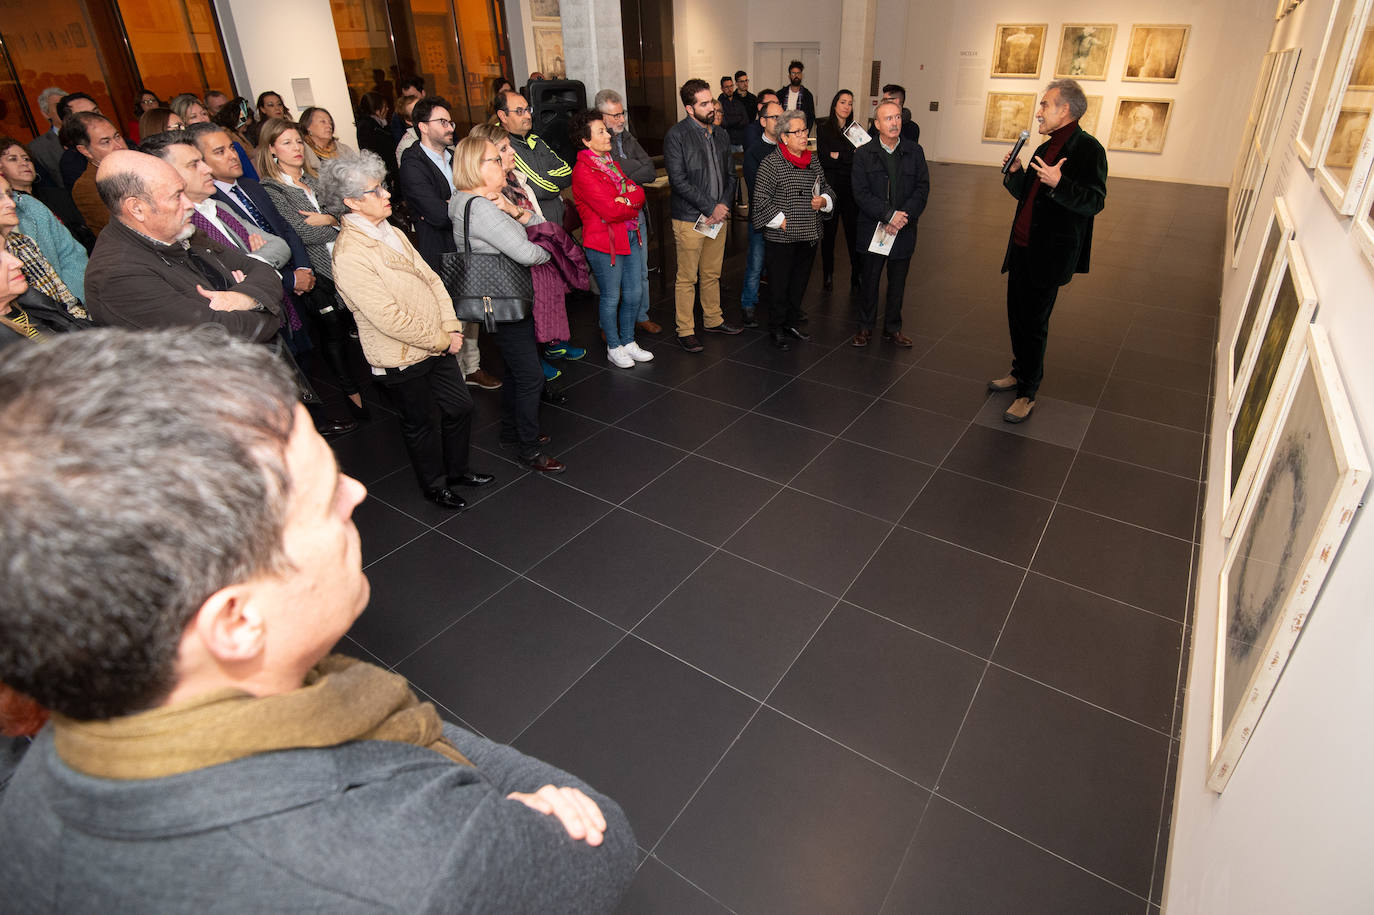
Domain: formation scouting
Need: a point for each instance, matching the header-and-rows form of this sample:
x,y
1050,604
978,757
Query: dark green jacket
x,y
1061,232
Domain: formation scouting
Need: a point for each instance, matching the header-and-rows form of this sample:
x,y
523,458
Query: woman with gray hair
x,y
406,325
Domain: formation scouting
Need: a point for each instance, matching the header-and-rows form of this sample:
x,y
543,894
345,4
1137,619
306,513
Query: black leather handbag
x,y
490,289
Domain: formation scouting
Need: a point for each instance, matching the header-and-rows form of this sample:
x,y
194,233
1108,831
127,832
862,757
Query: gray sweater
x,y
493,232
363,827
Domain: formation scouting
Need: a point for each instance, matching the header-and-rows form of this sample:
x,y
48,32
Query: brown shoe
x,y
650,327
484,380
1005,383
545,463
1019,411
861,338
898,338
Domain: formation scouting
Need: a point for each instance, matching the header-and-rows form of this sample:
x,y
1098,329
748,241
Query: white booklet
x,y
703,229
856,135
882,242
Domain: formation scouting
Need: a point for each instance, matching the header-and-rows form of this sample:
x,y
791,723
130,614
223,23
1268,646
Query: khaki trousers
x,y
698,261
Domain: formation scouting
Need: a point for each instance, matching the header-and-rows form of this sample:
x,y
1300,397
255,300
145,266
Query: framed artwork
x,y
548,51
1271,99
1364,223
1281,331
1314,473
1140,124
1017,50
1155,54
1339,43
1258,297
1084,51
1345,149
1007,114
545,9
1089,119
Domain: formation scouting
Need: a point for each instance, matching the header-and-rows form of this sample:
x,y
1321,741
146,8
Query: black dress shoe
x,y
779,341
444,497
545,463
471,478
797,334
331,428
724,327
360,413
557,398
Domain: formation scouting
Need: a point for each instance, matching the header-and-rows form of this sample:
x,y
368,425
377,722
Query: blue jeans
x,y
753,269
622,289
644,275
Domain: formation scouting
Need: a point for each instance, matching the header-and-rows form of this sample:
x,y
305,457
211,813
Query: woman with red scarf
x,y
790,201
609,204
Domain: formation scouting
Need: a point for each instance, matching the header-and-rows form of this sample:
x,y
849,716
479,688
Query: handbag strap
x,y
467,221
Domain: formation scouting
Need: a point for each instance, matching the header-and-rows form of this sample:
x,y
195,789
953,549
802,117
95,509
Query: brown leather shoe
x,y
898,338
545,463
861,338
484,380
1019,411
1005,383
650,327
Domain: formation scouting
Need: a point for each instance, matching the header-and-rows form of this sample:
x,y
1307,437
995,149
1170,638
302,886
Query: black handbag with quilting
x,y
490,289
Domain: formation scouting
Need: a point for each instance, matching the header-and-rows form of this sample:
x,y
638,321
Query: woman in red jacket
x,y
609,204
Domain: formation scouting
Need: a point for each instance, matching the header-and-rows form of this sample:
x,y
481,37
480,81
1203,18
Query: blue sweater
x,y
63,251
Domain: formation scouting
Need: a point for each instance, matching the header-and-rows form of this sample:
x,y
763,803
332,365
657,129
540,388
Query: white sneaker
x,y
637,354
619,357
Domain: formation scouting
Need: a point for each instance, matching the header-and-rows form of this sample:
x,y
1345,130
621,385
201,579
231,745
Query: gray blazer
x,y
289,201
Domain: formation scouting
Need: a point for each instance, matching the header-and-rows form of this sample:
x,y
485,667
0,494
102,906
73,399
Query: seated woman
x,y
158,120
318,127
25,314
145,101
373,119
406,325
58,245
497,227
190,109
291,182
609,205
270,105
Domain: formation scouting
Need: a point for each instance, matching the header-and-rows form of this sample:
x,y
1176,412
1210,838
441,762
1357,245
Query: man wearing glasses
x,y
770,119
545,169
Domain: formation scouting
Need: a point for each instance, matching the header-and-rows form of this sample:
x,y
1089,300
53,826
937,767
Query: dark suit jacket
x,y
280,227
1061,232
427,194
869,182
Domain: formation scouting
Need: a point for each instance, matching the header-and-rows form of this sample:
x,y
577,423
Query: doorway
x,y
771,60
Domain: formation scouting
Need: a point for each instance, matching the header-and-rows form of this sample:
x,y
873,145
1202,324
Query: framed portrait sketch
x,y
1007,114
1340,42
1155,54
545,10
1090,117
1266,113
1346,150
1140,124
1364,223
548,51
1084,51
1259,295
1315,471
1017,50
1281,330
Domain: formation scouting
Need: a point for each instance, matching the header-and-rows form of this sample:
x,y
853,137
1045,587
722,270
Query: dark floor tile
x,y
681,420
816,406
735,383
1011,460
737,622
1124,562
526,520
945,591
508,660
1157,341
1165,825
373,451
909,431
1177,322
1166,448
672,364
1082,783
621,566
419,590
1131,493
1055,421
1103,652
792,361
615,464
659,890
643,728
1161,405
849,368
815,542
401,490
703,498
761,837
971,362
1067,354
564,428
888,693
961,863
1084,388
950,395
1163,371
383,529
611,395
768,447
990,519
864,479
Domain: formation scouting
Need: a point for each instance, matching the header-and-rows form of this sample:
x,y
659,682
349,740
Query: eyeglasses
x,y
769,117
793,133
517,112
496,159
617,115
378,191
442,122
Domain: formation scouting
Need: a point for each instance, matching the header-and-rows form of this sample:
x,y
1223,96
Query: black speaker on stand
x,y
553,102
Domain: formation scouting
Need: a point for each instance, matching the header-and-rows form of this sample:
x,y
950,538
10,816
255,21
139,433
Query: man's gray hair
x,y
1071,92
788,118
143,472
887,103
116,187
47,98
348,176
607,97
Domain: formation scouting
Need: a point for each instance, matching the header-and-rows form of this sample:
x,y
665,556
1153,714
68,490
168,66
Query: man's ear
x,y
136,208
230,625
85,151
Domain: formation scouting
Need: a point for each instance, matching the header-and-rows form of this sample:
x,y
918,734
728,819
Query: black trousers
x,y
434,453
1029,305
789,270
896,289
522,385
847,212
330,320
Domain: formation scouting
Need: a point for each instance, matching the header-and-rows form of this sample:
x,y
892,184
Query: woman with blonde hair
x,y
190,109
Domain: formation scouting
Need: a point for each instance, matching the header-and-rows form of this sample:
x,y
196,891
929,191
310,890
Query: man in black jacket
x,y
796,96
735,115
1051,235
751,102
891,184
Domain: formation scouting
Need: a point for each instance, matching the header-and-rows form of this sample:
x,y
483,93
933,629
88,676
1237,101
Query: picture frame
x,y
1258,297
1322,100
1280,330
1315,471
1345,153
1271,100
1155,54
1085,50
1094,113
545,10
1140,124
548,51
1363,229
1018,49
1006,115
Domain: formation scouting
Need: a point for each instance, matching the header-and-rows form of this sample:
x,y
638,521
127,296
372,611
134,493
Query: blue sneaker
x,y
550,372
561,349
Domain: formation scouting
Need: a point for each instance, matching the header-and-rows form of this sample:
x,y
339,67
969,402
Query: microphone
x,y
1015,150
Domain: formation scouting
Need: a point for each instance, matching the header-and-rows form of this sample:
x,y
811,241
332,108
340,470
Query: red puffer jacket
x,y
605,223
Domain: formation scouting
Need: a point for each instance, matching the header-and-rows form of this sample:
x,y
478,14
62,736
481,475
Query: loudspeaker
x,y
552,103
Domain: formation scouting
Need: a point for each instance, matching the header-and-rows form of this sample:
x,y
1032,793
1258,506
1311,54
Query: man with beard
x,y
796,97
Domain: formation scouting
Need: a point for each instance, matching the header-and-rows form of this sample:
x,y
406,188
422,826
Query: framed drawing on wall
x,y
1155,54
548,51
1090,117
1258,297
1266,113
1339,44
1140,124
545,9
1315,471
1364,223
1085,49
1017,50
1281,331
1007,114
1345,151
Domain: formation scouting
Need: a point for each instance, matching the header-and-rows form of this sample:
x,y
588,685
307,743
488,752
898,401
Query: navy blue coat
x,y
279,227
869,181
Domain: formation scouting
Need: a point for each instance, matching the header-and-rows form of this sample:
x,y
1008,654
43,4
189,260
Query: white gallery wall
x,y
1293,830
